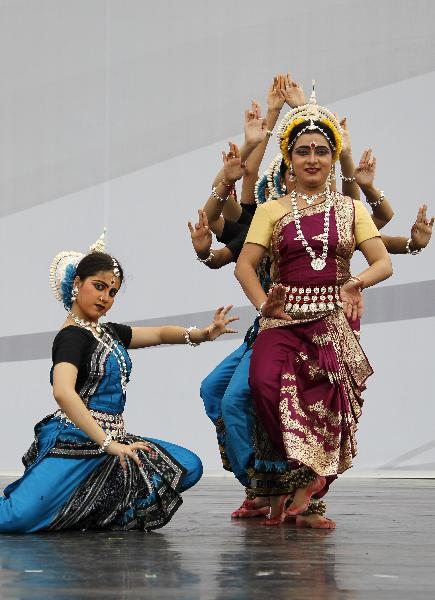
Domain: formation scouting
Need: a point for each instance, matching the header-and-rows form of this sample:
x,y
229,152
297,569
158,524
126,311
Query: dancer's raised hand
x,y
291,92
352,299
201,235
347,148
275,99
233,165
255,125
220,323
274,305
365,171
421,231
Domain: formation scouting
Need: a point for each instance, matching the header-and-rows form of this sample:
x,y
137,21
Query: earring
x,y
284,187
74,294
292,174
331,176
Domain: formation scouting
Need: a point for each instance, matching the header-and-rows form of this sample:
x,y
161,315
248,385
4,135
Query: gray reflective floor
x,y
384,547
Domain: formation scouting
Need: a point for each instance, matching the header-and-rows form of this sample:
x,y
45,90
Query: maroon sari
x,y
307,376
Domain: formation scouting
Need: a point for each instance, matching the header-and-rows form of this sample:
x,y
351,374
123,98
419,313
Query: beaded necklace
x,y
318,263
309,199
98,332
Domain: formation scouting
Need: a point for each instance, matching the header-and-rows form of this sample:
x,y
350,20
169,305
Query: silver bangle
x,y
378,202
206,260
187,336
260,310
348,179
216,195
408,248
107,440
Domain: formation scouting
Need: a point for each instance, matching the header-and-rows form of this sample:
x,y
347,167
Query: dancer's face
x,y
96,295
312,160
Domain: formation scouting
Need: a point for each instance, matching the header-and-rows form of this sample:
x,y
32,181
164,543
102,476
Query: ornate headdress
x,y
271,180
310,114
63,270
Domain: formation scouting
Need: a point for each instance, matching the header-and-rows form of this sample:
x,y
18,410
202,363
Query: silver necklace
x,y
97,330
85,324
318,263
309,199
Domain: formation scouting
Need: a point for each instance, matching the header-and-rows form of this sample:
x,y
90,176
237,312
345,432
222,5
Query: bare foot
x,y
302,496
315,522
277,513
258,507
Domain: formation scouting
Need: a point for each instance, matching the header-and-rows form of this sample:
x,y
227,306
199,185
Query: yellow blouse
x,y
268,214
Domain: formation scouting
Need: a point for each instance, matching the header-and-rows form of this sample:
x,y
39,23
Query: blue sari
x,y
69,484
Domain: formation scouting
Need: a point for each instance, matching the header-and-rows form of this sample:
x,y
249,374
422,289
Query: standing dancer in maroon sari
x,y
307,369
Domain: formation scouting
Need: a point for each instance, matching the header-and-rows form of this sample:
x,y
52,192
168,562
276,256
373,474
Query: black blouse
x,y
75,345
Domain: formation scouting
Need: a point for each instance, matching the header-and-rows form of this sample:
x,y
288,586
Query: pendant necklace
x,y
318,263
97,330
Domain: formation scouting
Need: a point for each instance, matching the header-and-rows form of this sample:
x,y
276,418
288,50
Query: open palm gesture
x,y
233,165
274,305
201,235
365,171
291,92
220,323
421,231
255,125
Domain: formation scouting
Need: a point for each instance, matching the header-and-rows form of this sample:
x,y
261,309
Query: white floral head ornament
x,y
63,270
312,114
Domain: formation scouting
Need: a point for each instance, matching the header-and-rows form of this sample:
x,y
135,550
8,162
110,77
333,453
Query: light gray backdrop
x,y
115,112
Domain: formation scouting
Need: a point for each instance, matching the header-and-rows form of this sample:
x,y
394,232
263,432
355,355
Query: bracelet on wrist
x,y
357,280
188,338
408,248
107,440
348,179
377,202
230,186
260,310
209,258
216,195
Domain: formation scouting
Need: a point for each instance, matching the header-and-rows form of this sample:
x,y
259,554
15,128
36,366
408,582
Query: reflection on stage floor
x,y
383,548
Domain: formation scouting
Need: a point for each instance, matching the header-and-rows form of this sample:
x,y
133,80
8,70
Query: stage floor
x,y
383,547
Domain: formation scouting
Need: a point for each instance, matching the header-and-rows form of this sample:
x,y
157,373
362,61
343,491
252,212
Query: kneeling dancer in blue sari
x,y
83,470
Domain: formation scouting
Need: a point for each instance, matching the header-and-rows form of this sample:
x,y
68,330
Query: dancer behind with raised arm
x,y
307,369
84,471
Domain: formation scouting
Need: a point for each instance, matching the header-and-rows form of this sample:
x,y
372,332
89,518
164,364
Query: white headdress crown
x,y
310,113
65,263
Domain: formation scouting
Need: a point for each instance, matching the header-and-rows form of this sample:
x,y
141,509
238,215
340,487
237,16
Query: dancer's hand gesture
x,y
220,323
421,231
233,165
275,99
255,125
365,171
352,299
124,451
347,149
201,235
291,92
274,305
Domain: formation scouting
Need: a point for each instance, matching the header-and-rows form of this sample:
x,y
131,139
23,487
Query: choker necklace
x,y
95,328
309,199
85,324
318,263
